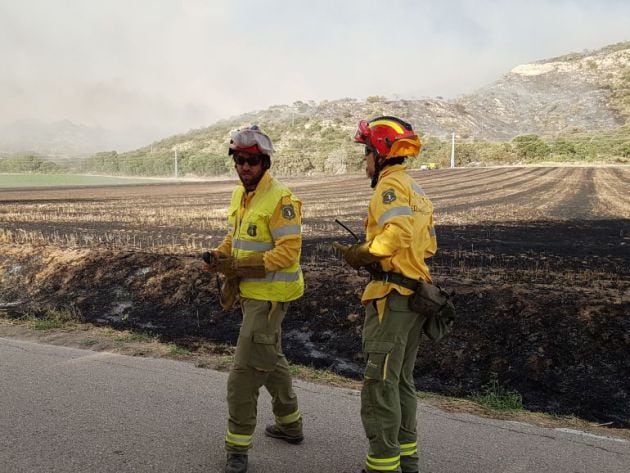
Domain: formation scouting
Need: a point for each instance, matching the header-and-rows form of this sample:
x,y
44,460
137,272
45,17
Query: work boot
x,y
277,433
236,463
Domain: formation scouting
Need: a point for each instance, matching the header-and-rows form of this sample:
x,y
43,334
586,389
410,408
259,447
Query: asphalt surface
x,y
68,410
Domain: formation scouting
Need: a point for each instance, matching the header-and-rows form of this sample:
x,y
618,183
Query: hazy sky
x,y
168,66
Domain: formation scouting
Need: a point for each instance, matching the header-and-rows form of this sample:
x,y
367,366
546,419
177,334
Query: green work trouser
x,y
388,396
259,361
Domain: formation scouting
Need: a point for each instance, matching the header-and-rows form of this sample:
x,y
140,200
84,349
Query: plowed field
x,y
539,258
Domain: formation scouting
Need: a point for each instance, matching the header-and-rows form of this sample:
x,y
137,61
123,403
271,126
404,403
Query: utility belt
x,y
396,278
427,299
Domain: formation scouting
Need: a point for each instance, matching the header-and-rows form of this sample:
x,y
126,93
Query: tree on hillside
x,y
28,163
531,147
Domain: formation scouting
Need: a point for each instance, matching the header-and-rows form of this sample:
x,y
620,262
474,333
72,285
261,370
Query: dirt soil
x,y
542,307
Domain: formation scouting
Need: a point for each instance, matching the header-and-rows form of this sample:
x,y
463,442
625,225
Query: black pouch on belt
x,y
437,305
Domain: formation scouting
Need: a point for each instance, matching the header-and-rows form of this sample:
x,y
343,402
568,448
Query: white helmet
x,y
251,140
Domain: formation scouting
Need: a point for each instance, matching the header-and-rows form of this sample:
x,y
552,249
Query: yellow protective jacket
x,y
400,229
269,221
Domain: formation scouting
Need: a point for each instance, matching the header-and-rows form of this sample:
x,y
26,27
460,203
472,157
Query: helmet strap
x,y
266,160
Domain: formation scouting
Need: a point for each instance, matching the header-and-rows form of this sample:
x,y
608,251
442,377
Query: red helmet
x,y
390,137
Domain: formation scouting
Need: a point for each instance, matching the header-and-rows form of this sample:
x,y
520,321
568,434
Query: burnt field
x,y
539,259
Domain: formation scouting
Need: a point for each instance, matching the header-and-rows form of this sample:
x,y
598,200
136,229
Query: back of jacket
x,y
400,229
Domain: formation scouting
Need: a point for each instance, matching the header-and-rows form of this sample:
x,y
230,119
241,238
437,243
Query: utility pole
x,y
453,149
176,162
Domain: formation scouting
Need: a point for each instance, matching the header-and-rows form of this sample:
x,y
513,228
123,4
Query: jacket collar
x,y
391,169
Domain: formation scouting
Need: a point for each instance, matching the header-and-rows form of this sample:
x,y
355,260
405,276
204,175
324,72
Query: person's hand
x,y
251,266
208,263
225,265
216,262
340,247
357,255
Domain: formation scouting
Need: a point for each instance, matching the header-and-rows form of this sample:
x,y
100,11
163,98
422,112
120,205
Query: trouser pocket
x,y
263,351
377,356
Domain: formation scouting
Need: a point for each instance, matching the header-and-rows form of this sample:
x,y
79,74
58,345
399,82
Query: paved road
x,y
68,410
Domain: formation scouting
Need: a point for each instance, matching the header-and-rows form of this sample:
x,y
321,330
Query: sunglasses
x,y
250,160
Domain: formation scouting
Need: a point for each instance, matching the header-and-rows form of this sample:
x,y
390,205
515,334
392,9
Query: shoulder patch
x,y
288,212
389,196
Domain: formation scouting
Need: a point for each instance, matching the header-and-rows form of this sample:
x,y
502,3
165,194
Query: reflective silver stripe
x,y
289,419
407,449
396,211
432,231
238,440
417,188
239,244
275,276
286,230
382,464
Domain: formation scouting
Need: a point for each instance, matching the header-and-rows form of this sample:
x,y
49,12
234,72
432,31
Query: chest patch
x,y
251,230
388,196
288,212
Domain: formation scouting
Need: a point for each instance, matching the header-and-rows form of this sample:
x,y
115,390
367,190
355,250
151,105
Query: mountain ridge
x,y
579,92
586,92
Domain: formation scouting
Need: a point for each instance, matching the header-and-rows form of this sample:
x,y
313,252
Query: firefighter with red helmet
x,y
399,238
260,257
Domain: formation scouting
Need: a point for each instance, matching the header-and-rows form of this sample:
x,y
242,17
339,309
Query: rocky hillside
x,y
578,94
582,92
587,91
572,95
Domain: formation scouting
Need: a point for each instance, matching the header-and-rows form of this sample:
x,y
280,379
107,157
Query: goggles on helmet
x,y
388,137
363,133
250,140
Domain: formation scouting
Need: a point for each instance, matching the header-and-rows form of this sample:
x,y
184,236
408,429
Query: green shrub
x,y
27,163
496,397
531,147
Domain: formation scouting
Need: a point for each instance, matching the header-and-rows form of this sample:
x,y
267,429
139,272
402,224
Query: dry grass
x,y
183,218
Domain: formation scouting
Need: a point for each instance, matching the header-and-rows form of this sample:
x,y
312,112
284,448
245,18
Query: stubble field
x,y
538,256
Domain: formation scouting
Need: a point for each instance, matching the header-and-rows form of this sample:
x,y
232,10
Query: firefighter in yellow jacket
x,y
260,257
399,238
